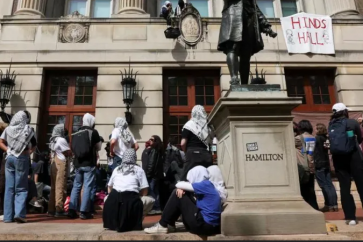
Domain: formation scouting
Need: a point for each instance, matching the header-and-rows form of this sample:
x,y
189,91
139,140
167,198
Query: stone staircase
x,y
320,197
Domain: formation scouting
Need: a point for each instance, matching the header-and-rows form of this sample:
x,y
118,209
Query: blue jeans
x,y
85,176
323,178
16,187
154,192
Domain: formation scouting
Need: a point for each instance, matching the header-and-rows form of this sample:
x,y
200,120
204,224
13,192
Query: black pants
x,y
192,218
32,190
196,157
308,192
346,167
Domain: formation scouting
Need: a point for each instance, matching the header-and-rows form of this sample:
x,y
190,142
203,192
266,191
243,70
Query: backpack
x,y
82,144
303,163
340,143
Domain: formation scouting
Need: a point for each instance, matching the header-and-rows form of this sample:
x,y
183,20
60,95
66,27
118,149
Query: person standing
x,y
85,145
322,169
305,143
2,172
196,138
121,140
154,171
60,150
18,141
345,136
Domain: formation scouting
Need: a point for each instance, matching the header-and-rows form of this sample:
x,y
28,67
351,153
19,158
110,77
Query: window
x,y
201,5
92,8
271,8
288,7
267,8
316,87
69,95
184,90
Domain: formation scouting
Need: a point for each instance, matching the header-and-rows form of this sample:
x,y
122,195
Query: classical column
x,y
31,7
340,7
132,7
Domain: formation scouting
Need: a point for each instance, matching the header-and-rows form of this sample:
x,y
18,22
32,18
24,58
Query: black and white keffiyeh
x,y
128,162
198,125
18,134
58,131
121,124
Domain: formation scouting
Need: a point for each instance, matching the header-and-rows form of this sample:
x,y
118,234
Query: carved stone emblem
x,y
190,26
74,30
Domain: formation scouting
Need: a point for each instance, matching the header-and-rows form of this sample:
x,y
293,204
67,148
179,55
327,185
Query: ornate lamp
x,y
128,90
7,84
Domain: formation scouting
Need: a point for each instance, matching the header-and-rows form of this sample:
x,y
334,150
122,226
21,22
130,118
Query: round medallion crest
x,y
190,26
74,33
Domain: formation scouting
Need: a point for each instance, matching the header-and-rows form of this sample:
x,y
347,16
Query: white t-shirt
x,y
120,146
133,182
61,145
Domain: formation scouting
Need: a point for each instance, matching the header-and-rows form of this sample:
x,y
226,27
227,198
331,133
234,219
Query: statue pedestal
x,y
256,153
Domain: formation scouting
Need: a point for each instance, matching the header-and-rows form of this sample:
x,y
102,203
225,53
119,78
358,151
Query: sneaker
x,y
335,209
171,229
152,212
325,209
85,216
155,212
156,229
20,220
72,214
35,204
351,222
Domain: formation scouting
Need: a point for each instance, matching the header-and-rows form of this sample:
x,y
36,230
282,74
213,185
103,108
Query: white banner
x,y
308,33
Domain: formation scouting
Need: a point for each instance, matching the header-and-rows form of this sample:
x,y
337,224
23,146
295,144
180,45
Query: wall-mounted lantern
x,y
7,84
128,90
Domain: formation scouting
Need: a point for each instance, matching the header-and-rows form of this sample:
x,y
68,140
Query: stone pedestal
x,y
33,8
132,8
256,153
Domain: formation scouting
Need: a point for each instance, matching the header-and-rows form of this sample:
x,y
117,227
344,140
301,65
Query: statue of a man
x,y
240,36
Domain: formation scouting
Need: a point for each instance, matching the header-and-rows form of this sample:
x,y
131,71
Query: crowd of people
x,y
180,182
342,140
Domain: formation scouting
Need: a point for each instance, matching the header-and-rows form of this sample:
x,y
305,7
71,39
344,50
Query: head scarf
x,y
198,174
18,133
215,177
58,131
89,120
198,125
128,162
121,124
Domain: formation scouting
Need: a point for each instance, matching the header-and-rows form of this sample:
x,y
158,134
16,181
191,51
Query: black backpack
x,y
340,142
82,144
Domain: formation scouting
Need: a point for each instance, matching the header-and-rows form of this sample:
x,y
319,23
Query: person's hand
x,y
112,154
180,193
360,120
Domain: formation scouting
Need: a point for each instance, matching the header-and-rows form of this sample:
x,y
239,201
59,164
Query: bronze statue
x,y
240,36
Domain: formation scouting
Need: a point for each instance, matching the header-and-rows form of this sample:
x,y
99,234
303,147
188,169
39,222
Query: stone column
x,y
340,7
31,7
132,7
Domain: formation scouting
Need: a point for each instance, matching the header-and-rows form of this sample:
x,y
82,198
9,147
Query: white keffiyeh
x,y
128,162
216,178
198,125
18,134
89,120
58,131
197,174
121,124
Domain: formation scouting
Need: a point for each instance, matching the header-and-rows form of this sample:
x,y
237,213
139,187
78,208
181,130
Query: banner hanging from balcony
x,y
308,33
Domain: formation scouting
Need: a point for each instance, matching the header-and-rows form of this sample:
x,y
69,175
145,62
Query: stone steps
x,y
354,192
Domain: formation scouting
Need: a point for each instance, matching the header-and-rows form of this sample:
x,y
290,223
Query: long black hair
x,y
158,143
340,114
305,126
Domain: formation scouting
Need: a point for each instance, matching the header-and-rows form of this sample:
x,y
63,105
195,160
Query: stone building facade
x,y
70,65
